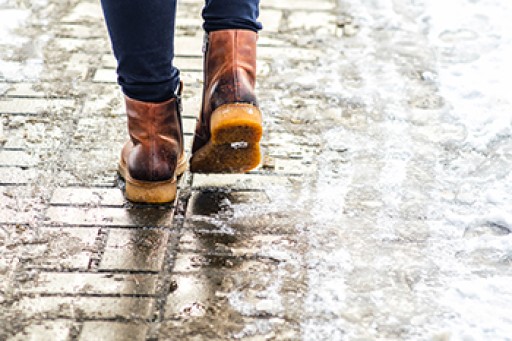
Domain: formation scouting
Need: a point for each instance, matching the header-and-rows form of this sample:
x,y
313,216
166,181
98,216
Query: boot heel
x,y
157,192
236,130
236,123
151,193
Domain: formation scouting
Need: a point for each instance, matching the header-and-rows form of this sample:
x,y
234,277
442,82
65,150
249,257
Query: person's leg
x,y
231,14
142,36
230,125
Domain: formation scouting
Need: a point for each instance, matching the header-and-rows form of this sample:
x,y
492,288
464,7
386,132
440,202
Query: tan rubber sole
x,y
234,147
151,192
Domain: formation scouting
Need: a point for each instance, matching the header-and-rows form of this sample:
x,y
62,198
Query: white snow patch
x,y
10,19
474,41
482,307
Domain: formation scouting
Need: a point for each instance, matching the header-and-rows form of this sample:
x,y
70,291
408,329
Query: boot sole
x,y
151,192
234,147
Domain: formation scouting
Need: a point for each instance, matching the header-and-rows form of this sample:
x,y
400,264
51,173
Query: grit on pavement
x,y
381,209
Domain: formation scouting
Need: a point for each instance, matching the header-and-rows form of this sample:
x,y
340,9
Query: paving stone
x,y
32,133
113,331
229,327
82,31
213,202
190,292
191,107
95,165
290,139
92,46
110,130
188,262
110,216
188,46
218,214
184,63
196,3
16,142
189,9
188,140
8,266
290,53
192,77
312,20
211,228
271,20
270,41
86,307
263,69
104,179
33,106
189,125
24,90
10,216
293,167
78,66
87,196
139,250
190,24
20,205
38,138
270,246
108,61
84,12
3,138
105,76
238,181
288,151
62,248
189,64
306,5
91,284
16,175
109,103
248,289
44,331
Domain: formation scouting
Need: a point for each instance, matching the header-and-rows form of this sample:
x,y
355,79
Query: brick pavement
x,y
380,211
78,261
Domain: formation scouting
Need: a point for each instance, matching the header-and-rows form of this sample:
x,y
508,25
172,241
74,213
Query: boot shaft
x,y
230,68
150,122
156,139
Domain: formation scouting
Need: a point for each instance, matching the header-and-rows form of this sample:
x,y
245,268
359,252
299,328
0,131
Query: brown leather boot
x,y
229,128
153,157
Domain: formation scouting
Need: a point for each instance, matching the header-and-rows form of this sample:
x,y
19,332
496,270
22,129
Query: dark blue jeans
x,y
142,36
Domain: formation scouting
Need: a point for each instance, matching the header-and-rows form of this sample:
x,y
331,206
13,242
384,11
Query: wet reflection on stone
x,y
140,250
148,216
93,330
231,213
55,248
224,282
135,216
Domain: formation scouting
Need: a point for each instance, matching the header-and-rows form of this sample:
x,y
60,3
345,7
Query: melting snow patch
x,y
10,19
482,307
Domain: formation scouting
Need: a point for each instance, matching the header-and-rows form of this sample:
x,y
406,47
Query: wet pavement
x,y
381,210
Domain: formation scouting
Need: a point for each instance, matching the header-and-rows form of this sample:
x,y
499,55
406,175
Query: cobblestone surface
x,y
347,231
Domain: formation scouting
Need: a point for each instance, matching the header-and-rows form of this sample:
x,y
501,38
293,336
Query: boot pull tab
x,y
179,104
206,42
179,90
